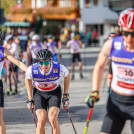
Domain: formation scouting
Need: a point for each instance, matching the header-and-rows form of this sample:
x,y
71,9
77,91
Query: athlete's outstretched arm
x,y
11,58
81,44
100,64
68,44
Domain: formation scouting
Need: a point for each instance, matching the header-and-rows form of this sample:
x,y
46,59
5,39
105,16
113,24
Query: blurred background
x,y
61,17
28,22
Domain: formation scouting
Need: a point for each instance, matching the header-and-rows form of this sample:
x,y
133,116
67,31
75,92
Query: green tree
x,y
7,4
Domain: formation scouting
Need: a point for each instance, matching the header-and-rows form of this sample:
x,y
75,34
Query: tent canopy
x,y
16,24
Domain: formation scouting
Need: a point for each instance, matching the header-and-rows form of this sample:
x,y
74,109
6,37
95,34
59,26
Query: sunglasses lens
x,y
44,63
128,33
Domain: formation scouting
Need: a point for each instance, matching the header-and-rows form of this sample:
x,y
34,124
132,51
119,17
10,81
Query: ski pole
x,y
88,119
34,118
71,121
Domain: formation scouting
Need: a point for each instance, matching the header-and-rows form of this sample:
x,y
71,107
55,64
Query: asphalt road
x,y
19,119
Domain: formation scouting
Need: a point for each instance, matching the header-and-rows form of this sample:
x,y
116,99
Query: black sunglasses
x,y
125,33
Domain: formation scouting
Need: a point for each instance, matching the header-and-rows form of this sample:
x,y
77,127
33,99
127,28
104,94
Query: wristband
x,y
66,94
97,92
30,101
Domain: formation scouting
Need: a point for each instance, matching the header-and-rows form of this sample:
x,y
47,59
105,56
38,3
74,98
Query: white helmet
x,y
9,37
72,35
35,37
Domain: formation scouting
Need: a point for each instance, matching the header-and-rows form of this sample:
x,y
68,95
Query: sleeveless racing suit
x,y
74,48
53,48
1,84
47,90
120,105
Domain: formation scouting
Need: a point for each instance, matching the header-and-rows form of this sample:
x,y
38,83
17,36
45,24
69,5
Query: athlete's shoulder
x,y
1,47
62,66
29,69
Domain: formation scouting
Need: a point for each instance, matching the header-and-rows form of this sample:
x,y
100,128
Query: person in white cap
x,y
35,46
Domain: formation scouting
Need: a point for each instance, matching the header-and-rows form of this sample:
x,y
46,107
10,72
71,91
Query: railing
x,y
67,3
60,3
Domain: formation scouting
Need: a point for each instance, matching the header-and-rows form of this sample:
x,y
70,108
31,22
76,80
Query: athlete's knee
x,y
80,63
41,122
1,117
103,133
73,64
53,121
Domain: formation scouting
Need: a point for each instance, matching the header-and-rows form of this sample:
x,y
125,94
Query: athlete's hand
x,y
92,98
83,46
30,104
65,101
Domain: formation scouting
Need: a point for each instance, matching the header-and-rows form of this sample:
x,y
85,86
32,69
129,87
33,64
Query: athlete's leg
x,y
9,78
10,83
80,65
41,117
2,124
132,125
15,82
73,67
53,119
79,62
112,124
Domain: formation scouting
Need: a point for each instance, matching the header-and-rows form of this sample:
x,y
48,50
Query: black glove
x,y
30,101
65,99
31,106
92,98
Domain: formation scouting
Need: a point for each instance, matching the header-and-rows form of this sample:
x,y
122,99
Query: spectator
x,y
54,47
89,36
74,44
35,46
95,37
12,67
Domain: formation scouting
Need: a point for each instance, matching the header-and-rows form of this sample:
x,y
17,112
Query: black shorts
x,y
76,56
44,100
119,109
1,94
13,67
